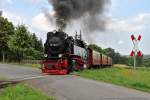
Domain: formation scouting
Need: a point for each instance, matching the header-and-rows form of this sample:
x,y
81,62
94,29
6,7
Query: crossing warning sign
x,y
135,50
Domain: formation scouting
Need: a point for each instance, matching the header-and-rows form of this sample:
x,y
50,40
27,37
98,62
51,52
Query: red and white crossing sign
x,y
135,48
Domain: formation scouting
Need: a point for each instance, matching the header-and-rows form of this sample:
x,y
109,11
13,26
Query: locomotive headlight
x,y
60,55
45,55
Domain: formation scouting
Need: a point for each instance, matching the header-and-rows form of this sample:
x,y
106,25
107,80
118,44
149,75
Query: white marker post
x,y
135,50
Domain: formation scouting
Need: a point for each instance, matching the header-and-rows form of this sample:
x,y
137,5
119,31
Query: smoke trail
x,y
92,10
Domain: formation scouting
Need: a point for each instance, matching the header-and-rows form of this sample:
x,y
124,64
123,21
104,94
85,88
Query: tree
x,y
21,42
147,62
37,44
6,30
34,41
24,45
1,13
18,43
117,57
110,52
40,43
96,48
123,60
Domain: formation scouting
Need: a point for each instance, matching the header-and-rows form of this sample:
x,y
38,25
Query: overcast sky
x,y
126,17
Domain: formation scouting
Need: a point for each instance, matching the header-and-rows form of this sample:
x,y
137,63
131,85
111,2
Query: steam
x,y
91,13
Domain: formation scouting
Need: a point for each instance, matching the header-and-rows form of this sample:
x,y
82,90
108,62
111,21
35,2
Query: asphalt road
x,y
70,87
16,72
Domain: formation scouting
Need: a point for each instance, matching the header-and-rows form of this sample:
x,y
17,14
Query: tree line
x,y
117,58
147,62
17,43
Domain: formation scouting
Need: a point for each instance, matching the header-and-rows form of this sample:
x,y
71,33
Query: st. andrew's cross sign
x,y
135,50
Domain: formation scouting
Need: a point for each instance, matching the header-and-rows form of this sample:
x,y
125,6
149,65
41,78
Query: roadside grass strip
x,y
22,92
2,78
28,65
25,65
138,79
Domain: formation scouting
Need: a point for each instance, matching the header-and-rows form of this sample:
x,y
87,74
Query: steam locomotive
x,y
64,54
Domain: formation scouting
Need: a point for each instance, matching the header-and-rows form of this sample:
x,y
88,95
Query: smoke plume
x,y
92,13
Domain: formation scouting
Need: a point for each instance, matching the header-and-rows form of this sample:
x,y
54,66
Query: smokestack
x,y
61,24
80,35
92,11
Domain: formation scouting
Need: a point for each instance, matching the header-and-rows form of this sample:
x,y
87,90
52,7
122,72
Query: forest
x,y
17,43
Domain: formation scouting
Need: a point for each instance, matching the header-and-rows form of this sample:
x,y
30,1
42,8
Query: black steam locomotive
x,y
63,54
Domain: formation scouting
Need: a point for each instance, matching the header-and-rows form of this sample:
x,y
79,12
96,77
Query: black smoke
x,y
92,10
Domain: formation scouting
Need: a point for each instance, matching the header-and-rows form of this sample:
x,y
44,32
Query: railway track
x,y
4,84
16,81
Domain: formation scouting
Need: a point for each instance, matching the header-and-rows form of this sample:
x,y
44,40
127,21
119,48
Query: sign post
x,y
135,50
134,61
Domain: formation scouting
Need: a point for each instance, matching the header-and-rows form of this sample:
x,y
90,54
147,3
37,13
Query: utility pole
x,y
3,56
1,13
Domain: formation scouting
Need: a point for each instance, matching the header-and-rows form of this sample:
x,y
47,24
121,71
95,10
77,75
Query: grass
x,y
138,79
27,65
22,92
2,78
